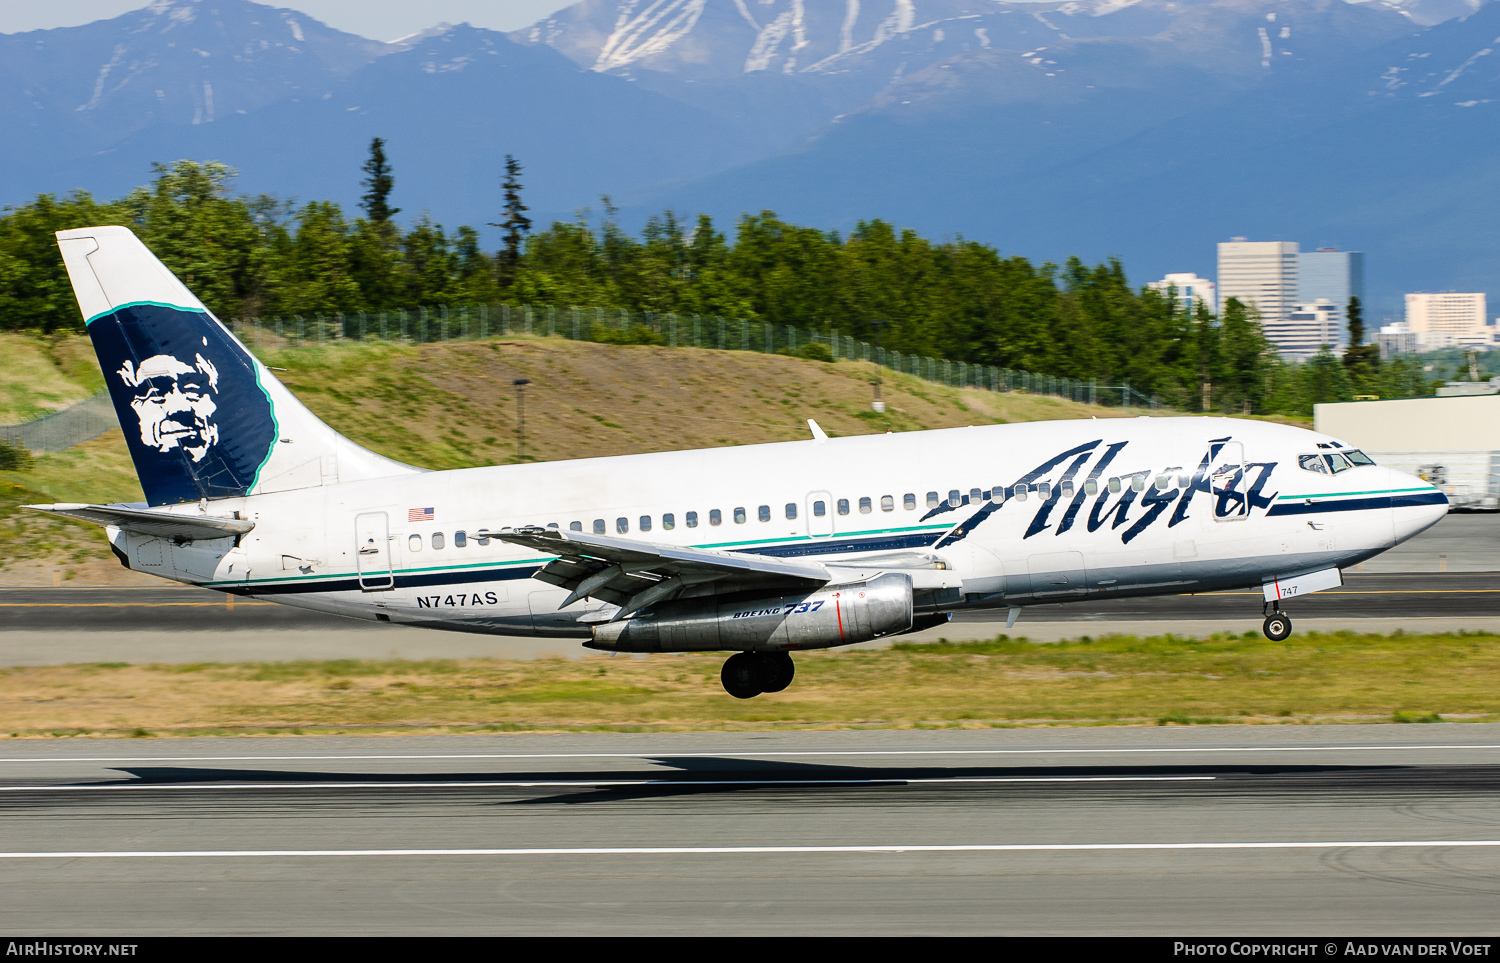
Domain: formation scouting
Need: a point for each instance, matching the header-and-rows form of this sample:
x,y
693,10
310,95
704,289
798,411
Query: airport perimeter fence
x,y
94,416
61,430
484,322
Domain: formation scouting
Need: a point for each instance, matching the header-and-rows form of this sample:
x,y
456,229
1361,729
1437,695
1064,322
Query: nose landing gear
x,y
1277,627
747,674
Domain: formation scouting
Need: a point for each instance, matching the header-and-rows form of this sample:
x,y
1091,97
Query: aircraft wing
x,y
633,574
143,521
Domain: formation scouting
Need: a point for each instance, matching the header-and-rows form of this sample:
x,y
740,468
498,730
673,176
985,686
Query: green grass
x,y
1153,681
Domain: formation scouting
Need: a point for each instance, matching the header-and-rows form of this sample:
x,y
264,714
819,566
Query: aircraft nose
x,y
1415,505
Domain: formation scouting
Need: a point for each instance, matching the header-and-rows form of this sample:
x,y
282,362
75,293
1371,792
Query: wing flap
x,y
156,524
633,574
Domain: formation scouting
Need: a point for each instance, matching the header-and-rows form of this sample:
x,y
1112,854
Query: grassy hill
x,y
453,405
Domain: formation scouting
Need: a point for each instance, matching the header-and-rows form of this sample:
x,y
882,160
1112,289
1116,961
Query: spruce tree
x,y
1361,360
514,223
378,184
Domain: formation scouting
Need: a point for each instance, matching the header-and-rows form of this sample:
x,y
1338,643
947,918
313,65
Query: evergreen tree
x,y
515,223
1361,360
378,184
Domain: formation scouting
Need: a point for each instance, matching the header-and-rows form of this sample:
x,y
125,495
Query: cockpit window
x,y
1312,463
1337,462
1358,457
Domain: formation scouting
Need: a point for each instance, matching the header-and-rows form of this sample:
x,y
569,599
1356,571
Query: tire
x,y
1278,628
777,670
741,675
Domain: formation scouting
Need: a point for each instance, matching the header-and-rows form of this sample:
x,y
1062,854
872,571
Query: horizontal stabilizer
x,y
142,521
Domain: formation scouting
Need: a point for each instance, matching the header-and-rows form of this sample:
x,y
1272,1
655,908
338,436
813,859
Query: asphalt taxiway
x,y
1264,830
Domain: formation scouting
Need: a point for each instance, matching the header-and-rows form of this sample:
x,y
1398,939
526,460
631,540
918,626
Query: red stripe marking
x,y
839,612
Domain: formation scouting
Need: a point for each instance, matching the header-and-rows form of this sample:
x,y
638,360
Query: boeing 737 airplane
x,y
759,550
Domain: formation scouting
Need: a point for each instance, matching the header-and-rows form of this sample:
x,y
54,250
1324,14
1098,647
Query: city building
x,y
1332,275
1397,339
1461,316
1307,328
1262,274
1191,290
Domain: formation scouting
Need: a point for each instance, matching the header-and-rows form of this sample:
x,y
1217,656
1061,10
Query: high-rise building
x,y
1191,291
1331,275
1458,315
1259,273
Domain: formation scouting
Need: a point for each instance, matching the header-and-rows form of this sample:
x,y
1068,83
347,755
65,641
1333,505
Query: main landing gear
x,y
748,674
1277,627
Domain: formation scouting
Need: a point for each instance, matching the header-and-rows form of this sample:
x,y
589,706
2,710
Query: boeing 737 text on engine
x,y
759,550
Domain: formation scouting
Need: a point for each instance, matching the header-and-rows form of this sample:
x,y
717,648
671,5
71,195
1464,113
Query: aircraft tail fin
x,y
202,416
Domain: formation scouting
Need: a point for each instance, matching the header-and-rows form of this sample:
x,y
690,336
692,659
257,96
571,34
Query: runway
x,y
1256,830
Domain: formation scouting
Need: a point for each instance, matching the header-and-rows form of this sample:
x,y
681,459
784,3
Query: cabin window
x,y
551,524
909,501
932,500
1162,481
864,505
1138,483
791,510
763,513
460,539
715,517
887,503
1044,491
668,522
575,526
622,525
954,497
1114,486
1020,493
739,515
1091,487
843,506
483,540
820,509
414,543
1067,488
645,523
598,526
975,496
691,518
1183,481
437,539
997,494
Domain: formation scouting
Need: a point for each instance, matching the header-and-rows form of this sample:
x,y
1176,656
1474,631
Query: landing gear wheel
x,y
742,675
1277,627
777,670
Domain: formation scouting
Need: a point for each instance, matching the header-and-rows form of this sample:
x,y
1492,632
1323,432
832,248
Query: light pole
x,y
879,403
521,384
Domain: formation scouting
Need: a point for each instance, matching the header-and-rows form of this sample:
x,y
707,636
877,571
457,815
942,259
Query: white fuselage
x,y
373,550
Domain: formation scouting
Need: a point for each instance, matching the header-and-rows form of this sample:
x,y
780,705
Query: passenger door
x,y
1229,483
373,552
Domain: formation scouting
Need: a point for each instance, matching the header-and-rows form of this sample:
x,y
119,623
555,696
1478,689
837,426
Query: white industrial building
x,y
1449,318
1452,442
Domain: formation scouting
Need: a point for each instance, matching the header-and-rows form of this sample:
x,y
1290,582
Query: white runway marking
x,y
742,754
599,784
766,850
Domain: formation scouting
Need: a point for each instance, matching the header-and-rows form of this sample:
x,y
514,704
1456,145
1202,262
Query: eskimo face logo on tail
x,y
175,402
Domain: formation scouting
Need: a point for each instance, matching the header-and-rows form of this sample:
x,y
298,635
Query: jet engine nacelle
x,y
832,615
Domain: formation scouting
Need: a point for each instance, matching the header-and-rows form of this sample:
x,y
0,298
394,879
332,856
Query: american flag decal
x,y
419,515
